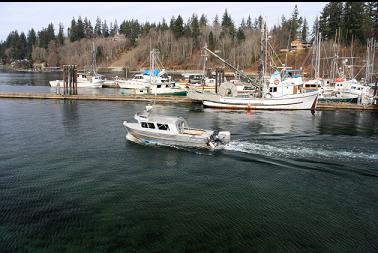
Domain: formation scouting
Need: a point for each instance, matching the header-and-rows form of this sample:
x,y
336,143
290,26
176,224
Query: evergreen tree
x,y
22,47
105,29
195,30
228,26
73,31
12,43
164,25
304,31
240,36
132,29
258,23
178,27
331,19
31,41
356,21
88,29
375,19
249,22
187,29
60,34
50,33
211,41
295,23
172,23
97,28
243,24
315,28
203,21
216,21
80,29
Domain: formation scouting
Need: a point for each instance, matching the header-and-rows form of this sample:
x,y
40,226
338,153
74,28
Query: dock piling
x,y
69,80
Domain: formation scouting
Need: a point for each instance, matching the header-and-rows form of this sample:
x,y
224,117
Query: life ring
x,y
276,81
268,95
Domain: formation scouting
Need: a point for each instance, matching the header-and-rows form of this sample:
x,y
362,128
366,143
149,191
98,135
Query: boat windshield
x,y
181,124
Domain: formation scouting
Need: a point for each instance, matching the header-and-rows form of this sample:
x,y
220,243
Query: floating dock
x,y
163,99
141,98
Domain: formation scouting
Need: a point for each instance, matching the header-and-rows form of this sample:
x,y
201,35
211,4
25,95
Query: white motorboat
x,y
172,131
153,81
83,81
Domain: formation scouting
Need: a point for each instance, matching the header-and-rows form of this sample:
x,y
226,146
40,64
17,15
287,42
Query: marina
x,y
251,130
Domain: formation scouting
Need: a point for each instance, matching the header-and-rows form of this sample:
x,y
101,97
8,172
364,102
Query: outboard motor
x,y
222,137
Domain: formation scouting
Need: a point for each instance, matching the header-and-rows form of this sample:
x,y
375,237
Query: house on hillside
x,y
299,45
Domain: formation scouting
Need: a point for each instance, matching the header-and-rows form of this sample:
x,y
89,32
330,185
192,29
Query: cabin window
x,y
162,126
273,89
151,125
144,124
159,85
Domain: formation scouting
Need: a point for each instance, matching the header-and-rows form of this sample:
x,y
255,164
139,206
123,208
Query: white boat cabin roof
x,y
156,118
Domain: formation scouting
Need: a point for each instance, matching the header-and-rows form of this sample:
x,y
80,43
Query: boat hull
x,y
141,137
79,84
304,101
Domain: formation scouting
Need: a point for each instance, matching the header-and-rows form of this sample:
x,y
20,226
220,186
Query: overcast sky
x,y
23,16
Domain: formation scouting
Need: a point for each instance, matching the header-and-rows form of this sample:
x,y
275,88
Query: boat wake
x,y
288,151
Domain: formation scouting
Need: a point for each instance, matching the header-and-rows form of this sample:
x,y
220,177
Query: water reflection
x,y
348,123
70,113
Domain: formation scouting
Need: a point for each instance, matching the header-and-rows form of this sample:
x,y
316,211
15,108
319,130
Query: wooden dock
x,y
141,98
163,99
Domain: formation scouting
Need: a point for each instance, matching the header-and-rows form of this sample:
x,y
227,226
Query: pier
x,y
162,99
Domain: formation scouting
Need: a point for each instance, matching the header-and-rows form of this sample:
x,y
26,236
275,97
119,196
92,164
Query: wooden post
x,y
219,77
65,78
75,79
69,80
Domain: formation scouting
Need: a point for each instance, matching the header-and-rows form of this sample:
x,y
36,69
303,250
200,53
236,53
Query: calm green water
x,y
288,181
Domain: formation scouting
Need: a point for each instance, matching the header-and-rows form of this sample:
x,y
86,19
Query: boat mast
x,y
370,60
93,59
231,66
262,59
204,55
316,52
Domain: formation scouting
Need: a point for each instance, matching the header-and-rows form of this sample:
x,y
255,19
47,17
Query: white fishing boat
x,y
283,91
281,94
83,81
172,131
153,81
300,101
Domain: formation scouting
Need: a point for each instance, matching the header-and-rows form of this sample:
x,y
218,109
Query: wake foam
x,y
287,151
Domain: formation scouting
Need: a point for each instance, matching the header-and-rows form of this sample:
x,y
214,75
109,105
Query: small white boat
x,y
172,131
83,81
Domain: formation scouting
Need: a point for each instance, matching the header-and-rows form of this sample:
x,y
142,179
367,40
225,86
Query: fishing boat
x,y
153,81
283,91
83,81
165,130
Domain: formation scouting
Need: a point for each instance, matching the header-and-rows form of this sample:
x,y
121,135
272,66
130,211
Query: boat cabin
x,y
165,124
287,82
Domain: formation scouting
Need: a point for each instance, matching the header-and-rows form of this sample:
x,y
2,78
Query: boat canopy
x,y
155,73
